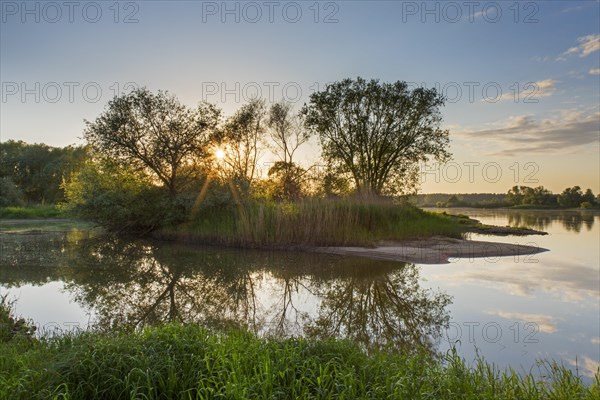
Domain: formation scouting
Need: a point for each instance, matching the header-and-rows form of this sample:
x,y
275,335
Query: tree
x,y
119,198
10,195
538,196
287,134
570,197
241,140
377,132
38,170
453,201
515,195
154,133
589,197
286,130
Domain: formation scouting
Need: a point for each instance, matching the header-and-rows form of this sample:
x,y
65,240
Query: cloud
x,y
571,282
595,340
545,323
541,59
522,134
595,71
587,45
532,90
587,365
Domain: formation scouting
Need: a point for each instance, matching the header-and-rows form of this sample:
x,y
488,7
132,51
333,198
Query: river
x,y
511,311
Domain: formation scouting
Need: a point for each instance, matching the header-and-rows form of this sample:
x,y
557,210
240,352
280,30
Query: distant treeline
x,y
516,197
446,199
35,173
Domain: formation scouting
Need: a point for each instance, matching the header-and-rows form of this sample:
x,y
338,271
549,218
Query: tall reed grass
x,y
319,222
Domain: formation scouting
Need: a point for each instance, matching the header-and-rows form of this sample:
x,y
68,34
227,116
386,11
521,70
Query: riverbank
x,y
187,361
435,250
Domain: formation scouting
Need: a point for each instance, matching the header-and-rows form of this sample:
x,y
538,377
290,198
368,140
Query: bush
x,y
120,199
11,327
10,195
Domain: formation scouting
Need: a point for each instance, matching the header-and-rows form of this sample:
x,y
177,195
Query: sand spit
x,y
437,250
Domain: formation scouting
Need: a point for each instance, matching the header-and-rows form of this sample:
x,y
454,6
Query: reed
x,y
320,222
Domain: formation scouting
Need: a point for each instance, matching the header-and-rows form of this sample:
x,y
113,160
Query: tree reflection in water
x,y
571,220
132,283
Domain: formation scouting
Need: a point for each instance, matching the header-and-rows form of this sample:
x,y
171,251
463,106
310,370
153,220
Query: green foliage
x,y
33,212
287,181
376,133
11,327
10,194
154,133
571,197
525,195
120,199
188,362
37,170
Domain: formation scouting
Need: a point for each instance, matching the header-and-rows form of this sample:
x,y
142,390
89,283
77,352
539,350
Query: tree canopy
x,y
242,138
154,132
35,173
378,132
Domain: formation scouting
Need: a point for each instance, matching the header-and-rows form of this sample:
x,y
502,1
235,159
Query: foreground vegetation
x,y
189,362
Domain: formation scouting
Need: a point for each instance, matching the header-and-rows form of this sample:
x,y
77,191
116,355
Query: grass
x,y
177,361
314,222
32,212
189,362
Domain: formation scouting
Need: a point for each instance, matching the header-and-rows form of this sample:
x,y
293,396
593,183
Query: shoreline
x,y
435,250
430,250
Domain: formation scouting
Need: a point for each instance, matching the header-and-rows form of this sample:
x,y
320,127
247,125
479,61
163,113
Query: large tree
x,y
288,133
286,130
241,139
378,132
155,133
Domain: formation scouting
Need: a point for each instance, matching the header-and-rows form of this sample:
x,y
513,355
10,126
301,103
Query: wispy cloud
x,y
545,323
532,90
587,45
523,134
595,71
587,365
571,282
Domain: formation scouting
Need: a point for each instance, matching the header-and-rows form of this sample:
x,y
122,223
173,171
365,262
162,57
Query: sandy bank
x,y
437,250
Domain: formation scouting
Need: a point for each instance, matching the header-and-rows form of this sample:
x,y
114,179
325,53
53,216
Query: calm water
x,y
510,310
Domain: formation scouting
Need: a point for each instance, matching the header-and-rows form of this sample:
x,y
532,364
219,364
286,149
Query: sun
x,y
220,154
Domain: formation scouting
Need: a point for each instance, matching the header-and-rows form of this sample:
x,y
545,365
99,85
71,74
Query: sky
x,y
521,79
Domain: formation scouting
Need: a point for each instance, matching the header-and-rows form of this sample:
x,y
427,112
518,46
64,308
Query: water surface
x,y
510,310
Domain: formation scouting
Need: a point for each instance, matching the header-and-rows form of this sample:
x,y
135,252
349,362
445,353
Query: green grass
x,y
189,362
32,212
314,222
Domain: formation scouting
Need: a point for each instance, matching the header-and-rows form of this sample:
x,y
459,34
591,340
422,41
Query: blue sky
x,y
536,122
